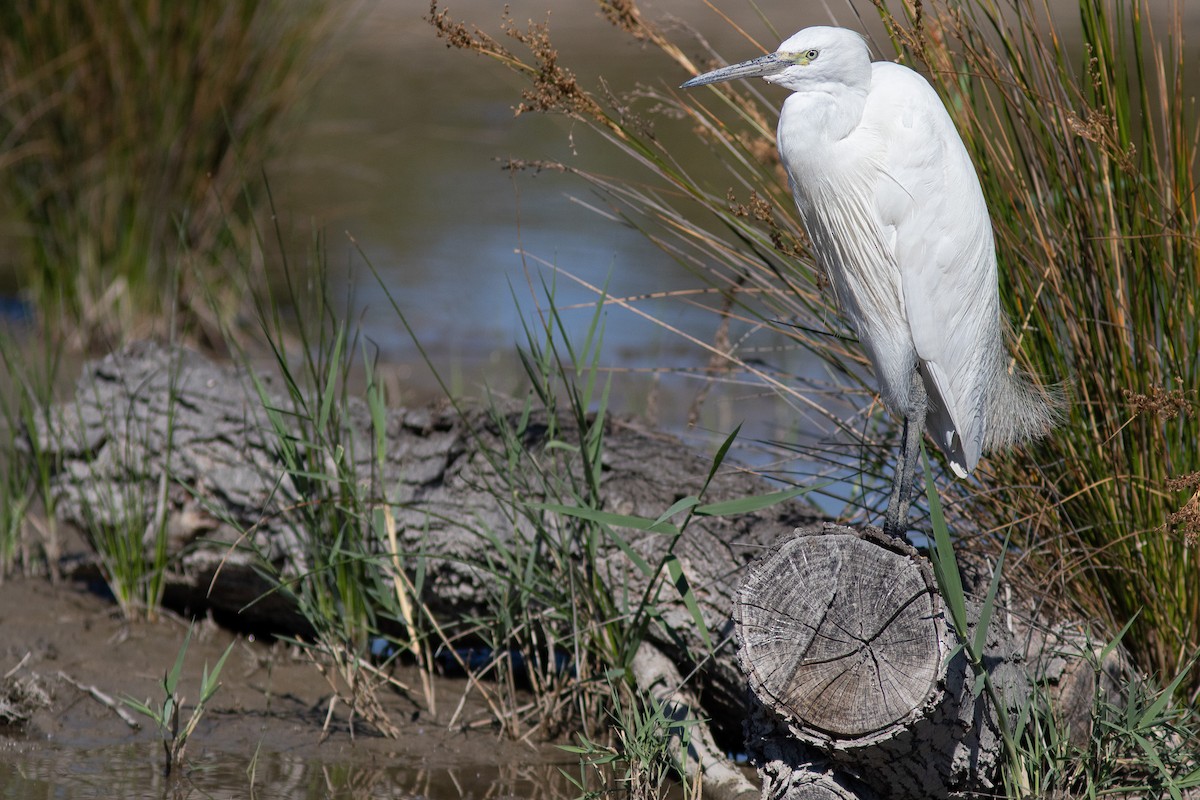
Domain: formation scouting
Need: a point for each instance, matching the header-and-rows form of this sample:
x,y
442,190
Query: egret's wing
x,y
932,209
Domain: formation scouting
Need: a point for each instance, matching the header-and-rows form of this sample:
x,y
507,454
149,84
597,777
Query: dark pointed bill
x,y
769,64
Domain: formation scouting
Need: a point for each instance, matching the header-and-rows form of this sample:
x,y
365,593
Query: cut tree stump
x,y
844,640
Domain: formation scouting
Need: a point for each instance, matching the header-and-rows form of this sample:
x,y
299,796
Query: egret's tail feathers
x,y
1021,410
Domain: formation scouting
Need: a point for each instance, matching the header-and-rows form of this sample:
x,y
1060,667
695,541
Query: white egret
x,y
890,200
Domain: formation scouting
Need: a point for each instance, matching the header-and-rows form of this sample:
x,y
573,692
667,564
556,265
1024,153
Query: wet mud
x,y
267,733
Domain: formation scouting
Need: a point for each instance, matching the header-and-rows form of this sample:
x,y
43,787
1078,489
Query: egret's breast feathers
x,y
848,235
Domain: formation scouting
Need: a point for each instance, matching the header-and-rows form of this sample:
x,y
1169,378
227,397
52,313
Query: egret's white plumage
x,y
890,199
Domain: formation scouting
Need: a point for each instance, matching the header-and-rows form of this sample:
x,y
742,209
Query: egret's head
x,y
811,57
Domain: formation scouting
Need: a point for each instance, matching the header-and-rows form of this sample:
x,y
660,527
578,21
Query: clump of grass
x,y
132,548
638,765
1143,745
166,715
577,591
553,623
1089,165
331,494
28,528
129,529
126,133
1142,741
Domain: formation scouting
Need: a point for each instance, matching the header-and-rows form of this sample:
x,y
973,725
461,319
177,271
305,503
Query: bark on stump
x,y
844,640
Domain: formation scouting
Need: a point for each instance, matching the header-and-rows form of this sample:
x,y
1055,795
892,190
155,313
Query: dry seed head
x,y
457,35
1167,405
1186,521
1100,129
624,14
736,208
534,165
554,86
1182,483
760,207
626,116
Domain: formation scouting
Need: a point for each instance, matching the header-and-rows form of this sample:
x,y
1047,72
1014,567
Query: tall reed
x,y
129,132
28,528
1089,164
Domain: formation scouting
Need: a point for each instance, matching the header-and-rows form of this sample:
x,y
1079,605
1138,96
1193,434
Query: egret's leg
x,y
896,521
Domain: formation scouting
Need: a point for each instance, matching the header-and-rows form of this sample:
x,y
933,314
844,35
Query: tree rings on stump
x,y
842,634
844,641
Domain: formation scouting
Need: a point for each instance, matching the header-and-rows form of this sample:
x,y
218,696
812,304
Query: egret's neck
x,y
823,113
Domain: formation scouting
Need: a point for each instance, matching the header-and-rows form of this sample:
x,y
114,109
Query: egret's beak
x,y
762,66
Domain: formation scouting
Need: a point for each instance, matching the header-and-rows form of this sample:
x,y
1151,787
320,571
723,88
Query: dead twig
x,y
102,698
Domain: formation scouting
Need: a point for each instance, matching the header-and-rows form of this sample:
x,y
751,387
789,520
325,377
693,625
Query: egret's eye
x,y
812,54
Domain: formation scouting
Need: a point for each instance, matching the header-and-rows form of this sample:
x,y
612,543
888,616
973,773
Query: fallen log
x,y
156,433
164,438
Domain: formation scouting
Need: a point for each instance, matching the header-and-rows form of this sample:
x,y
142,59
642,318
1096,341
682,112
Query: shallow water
x,y
400,152
132,772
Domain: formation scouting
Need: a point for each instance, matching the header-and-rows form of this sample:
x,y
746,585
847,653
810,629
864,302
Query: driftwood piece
x,y
1074,669
844,639
156,433
703,760
789,769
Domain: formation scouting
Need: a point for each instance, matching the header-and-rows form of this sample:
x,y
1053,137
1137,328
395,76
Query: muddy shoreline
x,y
269,713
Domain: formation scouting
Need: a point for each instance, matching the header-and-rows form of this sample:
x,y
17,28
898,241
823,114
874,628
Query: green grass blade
x,y
607,517
641,563
1155,710
945,564
377,406
329,390
989,601
211,681
171,680
675,571
140,707
745,505
1152,755
683,504
1116,640
719,458
599,517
